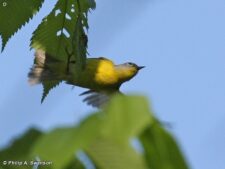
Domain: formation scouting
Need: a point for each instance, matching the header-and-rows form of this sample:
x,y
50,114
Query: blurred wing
x,y
98,99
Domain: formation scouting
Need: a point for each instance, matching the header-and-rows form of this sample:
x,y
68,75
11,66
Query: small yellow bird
x,y
101,76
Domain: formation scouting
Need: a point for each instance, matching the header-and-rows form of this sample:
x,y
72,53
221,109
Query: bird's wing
x,y
98,99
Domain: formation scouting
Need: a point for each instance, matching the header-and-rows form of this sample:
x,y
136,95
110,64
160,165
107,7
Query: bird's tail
x,y
41,72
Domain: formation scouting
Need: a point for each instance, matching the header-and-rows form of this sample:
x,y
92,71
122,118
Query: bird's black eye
x,y
130,63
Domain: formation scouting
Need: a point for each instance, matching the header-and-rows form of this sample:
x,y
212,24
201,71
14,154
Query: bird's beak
x,y
140,67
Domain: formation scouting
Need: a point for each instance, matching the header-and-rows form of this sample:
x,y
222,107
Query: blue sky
x,y
181,43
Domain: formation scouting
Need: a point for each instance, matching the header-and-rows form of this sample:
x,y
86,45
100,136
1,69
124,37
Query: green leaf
x,y
127,117
124,118
19,149
161,150
62,36
47,86
75,164
105,138
87,4
60,145
14,15
56,33
106,154
118,124
79,42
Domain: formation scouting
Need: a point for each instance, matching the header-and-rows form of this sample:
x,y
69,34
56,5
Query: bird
x,y
100,76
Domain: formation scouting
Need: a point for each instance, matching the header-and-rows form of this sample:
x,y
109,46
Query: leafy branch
x,y
105,137
14,15
61,34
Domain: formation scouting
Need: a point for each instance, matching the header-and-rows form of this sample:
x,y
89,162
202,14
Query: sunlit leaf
x,y
126,117
14,14
107,154
60,145
109,124
105,137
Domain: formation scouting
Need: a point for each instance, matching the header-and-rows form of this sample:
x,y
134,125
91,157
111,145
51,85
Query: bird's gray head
x,y
133,65
127,70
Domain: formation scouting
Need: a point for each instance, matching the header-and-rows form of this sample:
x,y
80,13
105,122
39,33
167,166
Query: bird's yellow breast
x,y
99,73
105,73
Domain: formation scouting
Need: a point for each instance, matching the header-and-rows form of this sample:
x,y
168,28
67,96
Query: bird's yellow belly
x,y
96,75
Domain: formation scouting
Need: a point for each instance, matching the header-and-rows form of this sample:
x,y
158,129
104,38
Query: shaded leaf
x,y
20,149
56,32
79,42
75,164
11,22
62,36
161,150
47,86
87,4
